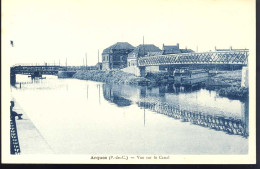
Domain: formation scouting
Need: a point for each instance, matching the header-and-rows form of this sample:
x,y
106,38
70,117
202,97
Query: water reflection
x,y
184,103
174,88
220,123
112,95
115,119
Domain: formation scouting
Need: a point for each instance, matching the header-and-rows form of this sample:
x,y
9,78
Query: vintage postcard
x,y
128,81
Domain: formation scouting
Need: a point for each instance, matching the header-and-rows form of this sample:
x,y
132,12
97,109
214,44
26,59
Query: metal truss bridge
x,y
39,70
236,57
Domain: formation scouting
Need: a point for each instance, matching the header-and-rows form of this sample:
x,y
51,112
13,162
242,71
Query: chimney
x,y
230,47
178,45
215,48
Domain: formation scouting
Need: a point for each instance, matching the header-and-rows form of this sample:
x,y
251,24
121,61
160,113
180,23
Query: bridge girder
x,y
229,57
29,70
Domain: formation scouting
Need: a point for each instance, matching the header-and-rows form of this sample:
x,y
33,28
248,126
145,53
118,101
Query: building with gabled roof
x,y
174,49
115,56
145,50
142,51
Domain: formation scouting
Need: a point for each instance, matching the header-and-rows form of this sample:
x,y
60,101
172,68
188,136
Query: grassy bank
x,y
229,82
228,78
113,76
232,79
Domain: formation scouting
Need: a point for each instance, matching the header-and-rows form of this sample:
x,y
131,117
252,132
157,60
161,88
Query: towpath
x,y
30,139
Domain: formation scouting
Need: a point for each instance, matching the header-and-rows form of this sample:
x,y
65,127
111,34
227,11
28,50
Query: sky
x,y
51,31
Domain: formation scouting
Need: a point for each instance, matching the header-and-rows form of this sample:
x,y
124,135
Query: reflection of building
x,y
114,96
115,56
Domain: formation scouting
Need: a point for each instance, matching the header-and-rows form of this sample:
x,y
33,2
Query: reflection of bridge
x,y
155,99
220,123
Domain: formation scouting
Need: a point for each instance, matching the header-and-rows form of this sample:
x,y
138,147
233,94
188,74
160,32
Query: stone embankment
x,y
113,76
30,139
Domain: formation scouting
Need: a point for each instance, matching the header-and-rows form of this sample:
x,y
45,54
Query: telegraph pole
x,y
66,64
143,46
83,65
98,55
86,60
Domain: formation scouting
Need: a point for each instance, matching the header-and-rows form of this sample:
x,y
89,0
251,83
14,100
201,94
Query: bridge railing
x,y
35,64
32,69
220,57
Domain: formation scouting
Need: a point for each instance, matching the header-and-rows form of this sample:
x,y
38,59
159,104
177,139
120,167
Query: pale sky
x,y
53,30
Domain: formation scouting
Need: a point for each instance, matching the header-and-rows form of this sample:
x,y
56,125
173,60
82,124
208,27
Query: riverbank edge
x,y
230,86
112,76
30,139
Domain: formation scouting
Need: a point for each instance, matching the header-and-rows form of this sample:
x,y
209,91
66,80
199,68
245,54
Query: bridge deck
x,y
238,57
40,69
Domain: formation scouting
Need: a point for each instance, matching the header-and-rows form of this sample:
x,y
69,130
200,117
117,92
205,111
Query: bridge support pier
x,y
66,74
37,74
244,79
170,70
141,71
12,78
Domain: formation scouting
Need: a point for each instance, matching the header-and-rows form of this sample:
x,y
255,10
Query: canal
x,y
85,117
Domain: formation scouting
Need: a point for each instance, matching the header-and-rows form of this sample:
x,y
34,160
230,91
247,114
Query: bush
x,y
234,92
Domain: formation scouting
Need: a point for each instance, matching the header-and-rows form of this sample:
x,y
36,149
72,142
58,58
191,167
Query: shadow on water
x,y
154,99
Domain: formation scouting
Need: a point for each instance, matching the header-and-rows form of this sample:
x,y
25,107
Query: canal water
x,y
85,117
